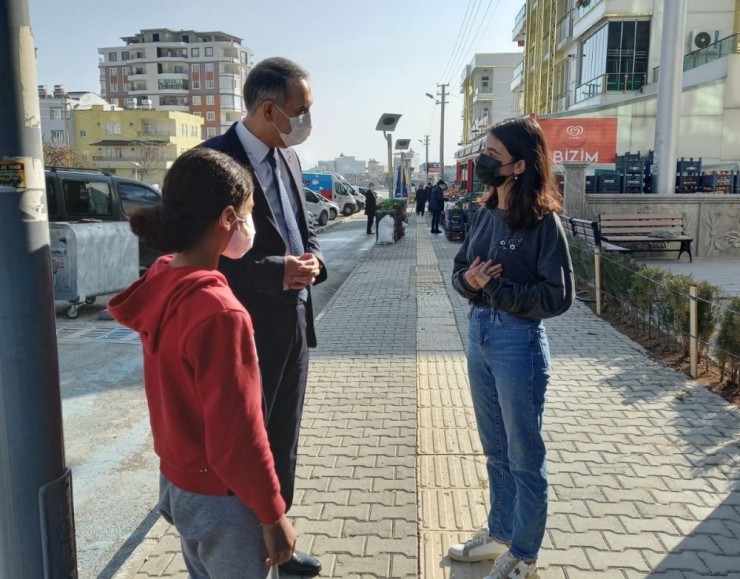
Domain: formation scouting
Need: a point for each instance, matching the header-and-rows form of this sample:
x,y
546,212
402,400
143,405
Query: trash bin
x,y
92,259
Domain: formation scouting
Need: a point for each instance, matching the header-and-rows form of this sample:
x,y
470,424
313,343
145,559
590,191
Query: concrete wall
x,y
712,220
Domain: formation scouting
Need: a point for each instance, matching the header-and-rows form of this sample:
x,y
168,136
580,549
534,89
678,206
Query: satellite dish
x,y
702,39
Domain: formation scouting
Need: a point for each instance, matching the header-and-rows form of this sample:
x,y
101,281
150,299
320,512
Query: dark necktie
x,y
295,243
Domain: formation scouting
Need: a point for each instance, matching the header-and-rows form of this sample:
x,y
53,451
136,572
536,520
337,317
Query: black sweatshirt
x,y
537,277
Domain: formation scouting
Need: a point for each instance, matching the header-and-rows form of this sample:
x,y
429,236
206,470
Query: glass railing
x,y
583,6
519,69
565,27
715,51
520,16
610,82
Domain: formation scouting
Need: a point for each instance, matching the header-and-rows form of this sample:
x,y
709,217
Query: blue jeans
x,y
508,369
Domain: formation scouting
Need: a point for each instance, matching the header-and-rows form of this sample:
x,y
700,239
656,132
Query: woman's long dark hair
x,y
535,192
197,188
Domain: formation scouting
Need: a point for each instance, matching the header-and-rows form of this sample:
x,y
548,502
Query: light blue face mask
x,y
300,128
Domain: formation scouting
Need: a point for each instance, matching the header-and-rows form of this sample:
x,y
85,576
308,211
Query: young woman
x,y
515,269
217,484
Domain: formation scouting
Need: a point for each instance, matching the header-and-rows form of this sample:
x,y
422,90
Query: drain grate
x,y
118,335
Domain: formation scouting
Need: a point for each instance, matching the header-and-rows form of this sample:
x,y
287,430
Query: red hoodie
x,y
202,385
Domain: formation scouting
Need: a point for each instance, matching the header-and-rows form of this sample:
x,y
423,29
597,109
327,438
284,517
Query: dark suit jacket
x,y
257,278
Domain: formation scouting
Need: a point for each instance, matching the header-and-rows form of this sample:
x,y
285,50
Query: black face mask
x,y
488,169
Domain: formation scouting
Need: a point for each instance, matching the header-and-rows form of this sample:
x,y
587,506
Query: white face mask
x,y
300,128
241,240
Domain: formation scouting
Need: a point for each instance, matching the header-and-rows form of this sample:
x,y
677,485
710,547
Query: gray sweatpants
x,y
221,538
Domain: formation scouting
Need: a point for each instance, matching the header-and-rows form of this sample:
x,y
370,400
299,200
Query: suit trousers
x,y
370,221
280,336
436,215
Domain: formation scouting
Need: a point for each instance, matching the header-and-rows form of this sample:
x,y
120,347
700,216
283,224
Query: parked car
x,y
331,206
314,205
90,194
359,198
331,187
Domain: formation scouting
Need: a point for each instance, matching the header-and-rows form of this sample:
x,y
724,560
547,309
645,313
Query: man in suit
x,y
273,280
371,206
437,204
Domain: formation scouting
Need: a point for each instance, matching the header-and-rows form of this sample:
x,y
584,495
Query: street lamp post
x,y
387,124
441,101
136,169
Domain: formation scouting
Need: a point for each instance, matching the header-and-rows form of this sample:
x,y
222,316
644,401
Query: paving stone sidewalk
x,y
644,464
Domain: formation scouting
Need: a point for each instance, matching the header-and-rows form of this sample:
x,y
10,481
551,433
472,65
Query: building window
x,y
209,67
615,59
83,134
57,137
210,132
227,101
193,130
196,84
126,70
210,84
56,114
196,100
113,87
195,52
125,55
173,84
208,51
112,57
210,116
115,102
183,130
197,113
210,99
112,128
195,68
243,57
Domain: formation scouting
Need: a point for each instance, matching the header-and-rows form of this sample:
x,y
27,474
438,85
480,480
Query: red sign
x,y
582,140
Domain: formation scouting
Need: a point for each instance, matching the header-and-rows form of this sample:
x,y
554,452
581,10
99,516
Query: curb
x,y
142,552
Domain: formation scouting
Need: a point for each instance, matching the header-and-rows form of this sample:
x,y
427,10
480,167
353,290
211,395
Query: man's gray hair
x,y
269,81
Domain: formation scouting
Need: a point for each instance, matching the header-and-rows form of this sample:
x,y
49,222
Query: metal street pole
x,y
389,139
669,95
37,537
426,155
442,135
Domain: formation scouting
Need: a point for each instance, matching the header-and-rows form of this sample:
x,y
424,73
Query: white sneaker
x,y
509,567
480,548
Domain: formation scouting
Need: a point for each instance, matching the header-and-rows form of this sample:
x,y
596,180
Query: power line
x,y
459,39
460,52
477,36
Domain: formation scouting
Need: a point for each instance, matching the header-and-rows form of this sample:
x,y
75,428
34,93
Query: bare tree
x,y
61,156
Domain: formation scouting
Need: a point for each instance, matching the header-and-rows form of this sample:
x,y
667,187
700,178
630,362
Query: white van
x,y
332,188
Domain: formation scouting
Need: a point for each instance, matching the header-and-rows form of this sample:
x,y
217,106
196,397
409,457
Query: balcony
x,y
518,34
564,30
518,78
610,83
546,48
715,51
482,93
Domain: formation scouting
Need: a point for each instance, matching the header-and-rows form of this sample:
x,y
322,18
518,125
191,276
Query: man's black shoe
x,y
302,564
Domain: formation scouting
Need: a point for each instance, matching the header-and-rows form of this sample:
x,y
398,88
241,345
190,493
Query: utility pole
x,y
37,537
670,89
442,133
426,156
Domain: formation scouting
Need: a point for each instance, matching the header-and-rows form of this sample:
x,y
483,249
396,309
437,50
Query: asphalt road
x,y
106,424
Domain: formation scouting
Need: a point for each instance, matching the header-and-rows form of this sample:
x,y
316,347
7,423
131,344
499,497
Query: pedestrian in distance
x,y
273,280
371,207
515,270
218,484
437,204
421,200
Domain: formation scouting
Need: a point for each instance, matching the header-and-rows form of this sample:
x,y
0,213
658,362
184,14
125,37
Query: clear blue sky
x,y
364,58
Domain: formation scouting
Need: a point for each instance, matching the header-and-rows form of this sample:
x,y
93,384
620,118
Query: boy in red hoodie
x,y
217,484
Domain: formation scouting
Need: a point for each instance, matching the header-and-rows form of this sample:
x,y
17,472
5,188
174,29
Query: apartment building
x,y
601,59
136,143
486,89
178,70
56,112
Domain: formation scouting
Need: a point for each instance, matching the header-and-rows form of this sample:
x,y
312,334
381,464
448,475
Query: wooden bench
x,y
589,230
646,231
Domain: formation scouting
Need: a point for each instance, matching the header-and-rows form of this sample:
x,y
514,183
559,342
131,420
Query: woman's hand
x,y
481,272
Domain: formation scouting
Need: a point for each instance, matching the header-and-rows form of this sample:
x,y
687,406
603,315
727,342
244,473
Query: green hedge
x,y
659,298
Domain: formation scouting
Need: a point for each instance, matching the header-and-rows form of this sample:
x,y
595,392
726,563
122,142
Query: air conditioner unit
x,y
699,39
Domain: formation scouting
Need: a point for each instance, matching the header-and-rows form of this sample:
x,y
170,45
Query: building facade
x,y
140,144
486,89
56,113
585,53
178,70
